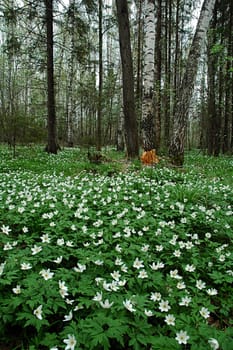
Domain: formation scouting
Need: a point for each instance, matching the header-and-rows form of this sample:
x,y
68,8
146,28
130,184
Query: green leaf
x,y
49,339
100,339
163,342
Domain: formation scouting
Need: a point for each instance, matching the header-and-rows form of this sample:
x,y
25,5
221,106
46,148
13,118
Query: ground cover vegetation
x,y
132,258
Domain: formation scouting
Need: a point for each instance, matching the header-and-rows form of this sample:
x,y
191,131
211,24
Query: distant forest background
x,y
63,74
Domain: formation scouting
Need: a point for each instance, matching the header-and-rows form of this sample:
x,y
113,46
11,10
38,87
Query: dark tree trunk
x,y
214,121
211,103
177,49
99,113
203,112
130,122
158,72
52,146
228,85
139,60
70,109
167,92
231,85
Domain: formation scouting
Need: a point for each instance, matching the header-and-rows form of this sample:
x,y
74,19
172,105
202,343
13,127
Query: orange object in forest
x,y
149,157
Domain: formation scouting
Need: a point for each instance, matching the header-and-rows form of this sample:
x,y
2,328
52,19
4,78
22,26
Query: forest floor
x,y
115,255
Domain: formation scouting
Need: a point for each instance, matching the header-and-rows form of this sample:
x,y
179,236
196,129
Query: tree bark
x,y
70,92
167,89
228,85
184,93
158,74
52,146
99,112
130,122
211,100
148,108
139,60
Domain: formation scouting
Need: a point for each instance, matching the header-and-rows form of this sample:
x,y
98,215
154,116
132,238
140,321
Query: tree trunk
x,y
158,73
70,92
167,87
120,131
231,85
228,85
203,112
131,132
184,93
148,110
177,48
211,101
139,61
52,146
99,112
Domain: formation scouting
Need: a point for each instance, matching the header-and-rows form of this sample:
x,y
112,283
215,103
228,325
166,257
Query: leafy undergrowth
x,y
140,259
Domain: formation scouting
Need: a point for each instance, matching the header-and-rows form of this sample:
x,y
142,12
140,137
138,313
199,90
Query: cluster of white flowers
x,y
149,257
63,289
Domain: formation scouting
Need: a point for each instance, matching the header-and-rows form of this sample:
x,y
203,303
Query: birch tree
x,y
148,110
184,93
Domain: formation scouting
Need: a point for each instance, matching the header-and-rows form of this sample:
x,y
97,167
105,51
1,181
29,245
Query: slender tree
x,y
139,59
52,146
212,108
228,113
167,71
158,75
130,122
184,93
99,112
70,94
148,110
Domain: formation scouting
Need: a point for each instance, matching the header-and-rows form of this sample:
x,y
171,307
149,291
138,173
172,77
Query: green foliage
x,y
127,260
217,48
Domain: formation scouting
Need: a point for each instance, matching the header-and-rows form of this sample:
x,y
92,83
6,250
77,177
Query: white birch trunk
x,y
148,113
184,93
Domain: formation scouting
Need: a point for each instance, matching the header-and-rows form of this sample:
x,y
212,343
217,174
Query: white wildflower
x,y
190,268
142,274
70,342
129,305
164,306
46,274
213,343
138,264
106,304
148,313
212,291
6,229
38,312
58,260
17,289
200,284
185,301
155,296
205,312
68,317
26,266
36,249
170,320
182,337
98,297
